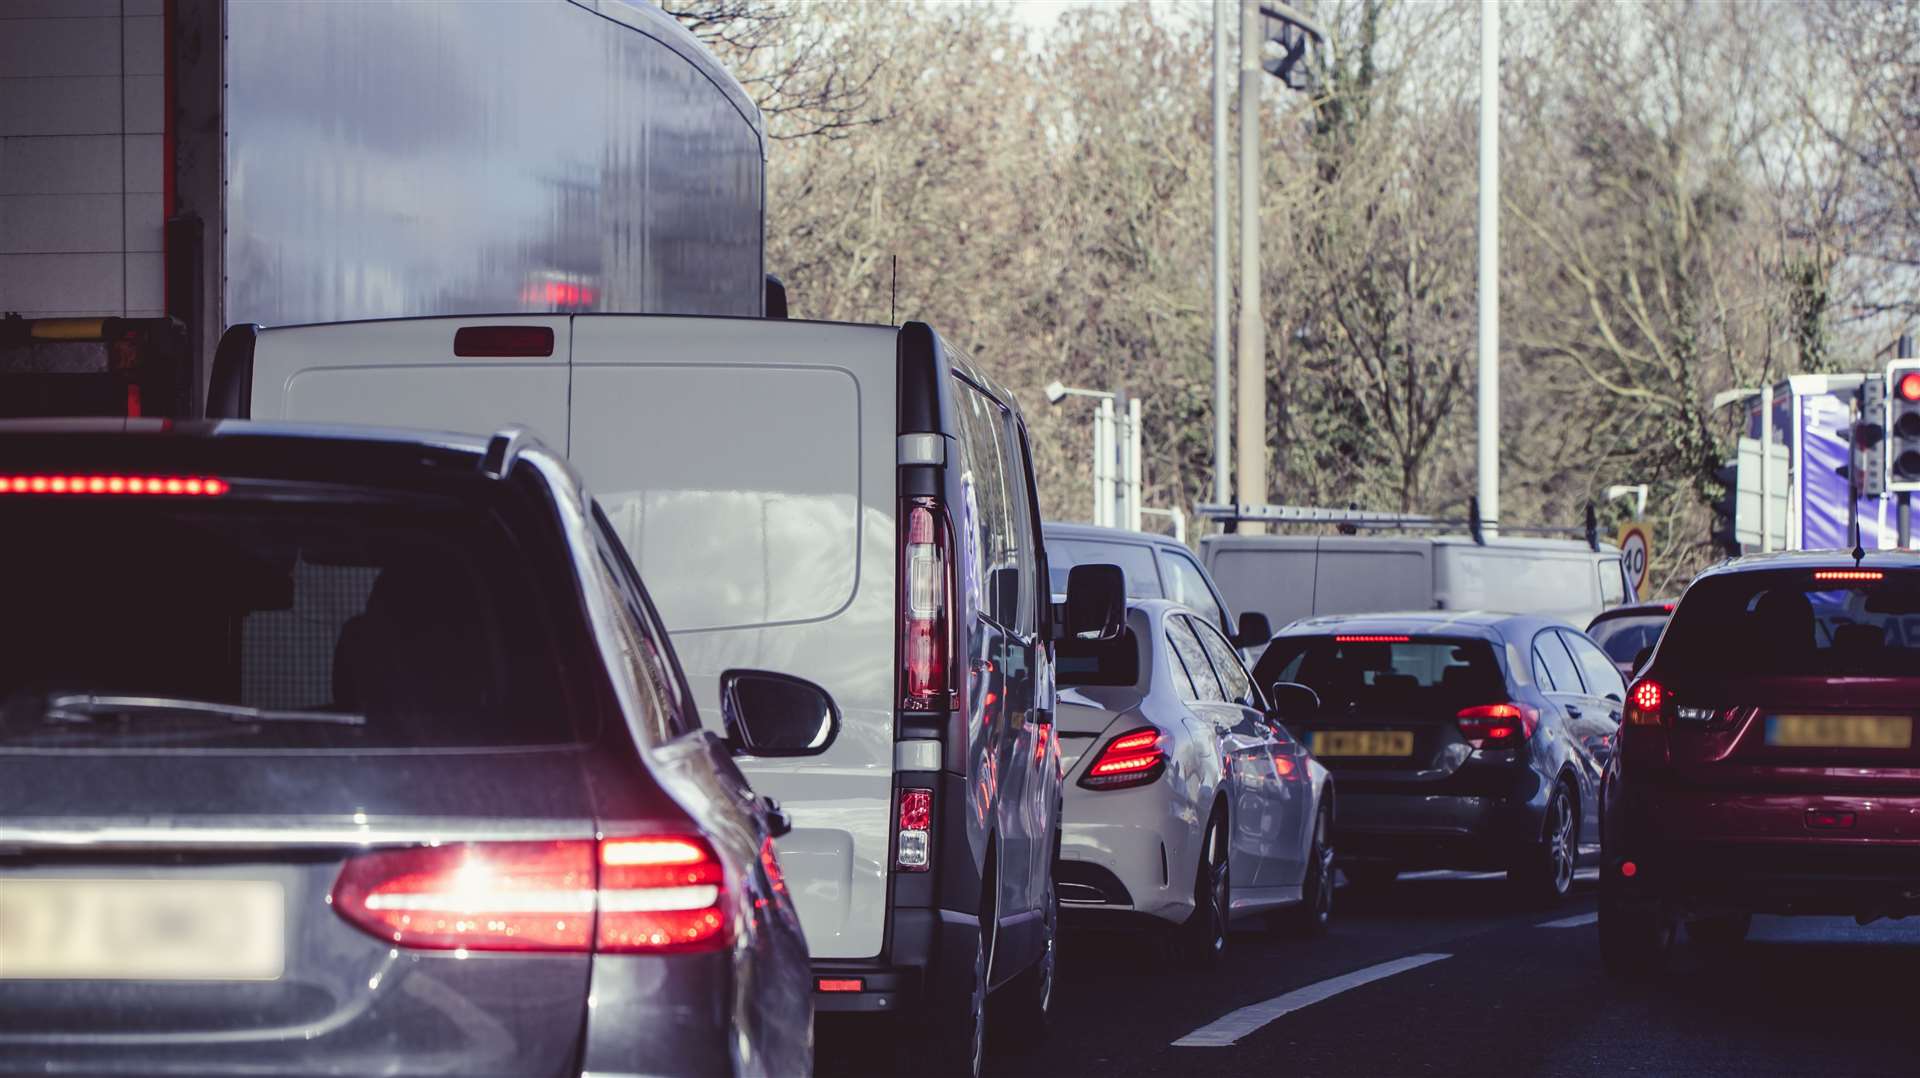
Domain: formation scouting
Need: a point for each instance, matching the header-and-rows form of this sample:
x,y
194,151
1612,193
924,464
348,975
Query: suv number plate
x,y
132,929
1840,731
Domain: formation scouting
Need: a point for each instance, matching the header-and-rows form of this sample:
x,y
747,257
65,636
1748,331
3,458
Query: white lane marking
x,y
1222,1032
1575,921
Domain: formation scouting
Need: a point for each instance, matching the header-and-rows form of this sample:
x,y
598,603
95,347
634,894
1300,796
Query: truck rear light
x,y
499,342
191,486
926,599
1647,703
914,842
1497,726
1135,758
651,894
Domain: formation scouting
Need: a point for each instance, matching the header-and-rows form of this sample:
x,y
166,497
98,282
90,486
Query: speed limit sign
x,y
1636,549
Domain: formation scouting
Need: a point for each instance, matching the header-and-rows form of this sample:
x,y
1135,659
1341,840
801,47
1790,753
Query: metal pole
x,y
1250,477
1133,464
1766,469
1222,408
1489,391
1903,504
1103,462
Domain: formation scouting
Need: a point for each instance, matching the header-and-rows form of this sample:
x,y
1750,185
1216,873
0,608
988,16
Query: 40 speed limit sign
x,y
1636,549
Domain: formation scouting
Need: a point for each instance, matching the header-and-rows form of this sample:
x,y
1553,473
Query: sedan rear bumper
x,y
1427,831
1138,859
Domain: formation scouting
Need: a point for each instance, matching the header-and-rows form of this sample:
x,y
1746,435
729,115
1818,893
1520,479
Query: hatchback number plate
x,y
1363,743
1840,731
149,930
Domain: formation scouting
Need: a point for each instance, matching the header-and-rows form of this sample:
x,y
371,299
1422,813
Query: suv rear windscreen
x,y
245,624
1377,676
1798,623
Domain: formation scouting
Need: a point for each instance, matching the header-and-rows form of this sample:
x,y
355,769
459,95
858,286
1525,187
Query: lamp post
x,y
1116,454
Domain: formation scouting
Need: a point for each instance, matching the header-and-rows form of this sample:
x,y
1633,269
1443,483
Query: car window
x,y
1023,549
1234,679
1193,656
1613,583
1623,638
1188,586
1541,672
643,640
1134,559
1601,676
1182,682
991,564
1560,666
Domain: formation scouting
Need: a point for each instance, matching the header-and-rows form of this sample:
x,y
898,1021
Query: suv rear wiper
x,y
85,707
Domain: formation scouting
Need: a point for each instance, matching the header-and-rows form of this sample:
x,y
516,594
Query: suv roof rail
x,y
503,449
1353,519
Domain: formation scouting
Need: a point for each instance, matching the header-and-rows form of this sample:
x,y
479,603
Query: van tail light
x,y
1647,703
651,894
1497,726
926,603
914,844
1135,758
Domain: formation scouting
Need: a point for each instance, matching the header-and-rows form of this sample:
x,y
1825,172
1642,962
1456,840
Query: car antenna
x,y
893,297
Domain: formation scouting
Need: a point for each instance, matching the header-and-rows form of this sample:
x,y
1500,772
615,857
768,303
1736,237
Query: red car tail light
x,y
191,486
1135,758
1647,703
652,894
926,602
1497,726
913,846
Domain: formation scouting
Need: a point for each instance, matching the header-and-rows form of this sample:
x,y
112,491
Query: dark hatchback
x,y
1769,762
1460,741
354,753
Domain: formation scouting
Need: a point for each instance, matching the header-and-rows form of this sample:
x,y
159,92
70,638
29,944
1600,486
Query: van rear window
x,y
241,624
1378,677
1790,623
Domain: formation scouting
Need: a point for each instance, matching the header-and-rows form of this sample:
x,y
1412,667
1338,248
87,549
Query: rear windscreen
x,y
1623,638
239,624
1135,562
1392,677
1098,662
1793,624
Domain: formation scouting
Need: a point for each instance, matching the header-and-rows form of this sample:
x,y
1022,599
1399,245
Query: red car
x,y
1767,760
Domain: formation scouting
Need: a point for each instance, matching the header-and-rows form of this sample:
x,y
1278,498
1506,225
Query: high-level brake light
x,y
1849,576
1497,726
1372,638
648,894
1135,758
502,342
914,844
69,484
926,597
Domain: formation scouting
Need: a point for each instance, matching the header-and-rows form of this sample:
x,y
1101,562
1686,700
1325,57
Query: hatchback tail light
x,y
914,844
1497,726
652,894
926,602
1647,703
1135,758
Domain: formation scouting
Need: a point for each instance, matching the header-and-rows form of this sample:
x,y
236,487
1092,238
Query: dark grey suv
x,y
354,753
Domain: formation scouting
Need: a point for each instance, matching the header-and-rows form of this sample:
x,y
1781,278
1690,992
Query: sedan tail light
x,y
1135,758
1497,726
652,894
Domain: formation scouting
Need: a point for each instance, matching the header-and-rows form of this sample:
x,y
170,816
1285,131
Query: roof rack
x,y
1353,519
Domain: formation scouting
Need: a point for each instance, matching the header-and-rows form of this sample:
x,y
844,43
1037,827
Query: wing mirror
x,y
779,820
1290,701
1096,606
769,714
1255,630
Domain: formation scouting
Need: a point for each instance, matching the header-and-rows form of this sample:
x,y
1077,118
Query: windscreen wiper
x,y
86,707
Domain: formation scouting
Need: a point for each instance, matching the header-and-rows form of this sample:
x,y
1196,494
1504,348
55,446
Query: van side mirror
x,y
769,714
1255,630
1290,700
1096,606
1641,658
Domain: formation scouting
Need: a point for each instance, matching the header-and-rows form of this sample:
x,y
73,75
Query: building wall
x,y
81,157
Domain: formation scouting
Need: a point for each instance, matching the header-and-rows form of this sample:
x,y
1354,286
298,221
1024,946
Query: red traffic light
x,y
1909,386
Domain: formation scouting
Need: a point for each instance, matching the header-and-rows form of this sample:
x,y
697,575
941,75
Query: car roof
x,y
1815,559
1483,624
1404,541
1093,533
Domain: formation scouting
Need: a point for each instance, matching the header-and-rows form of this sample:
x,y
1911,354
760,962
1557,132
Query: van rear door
x,y
749,468
471,375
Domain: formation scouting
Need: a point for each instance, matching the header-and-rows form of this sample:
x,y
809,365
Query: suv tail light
x,y
1135,758
914,846
1497,726
1647,703
651,894
926,600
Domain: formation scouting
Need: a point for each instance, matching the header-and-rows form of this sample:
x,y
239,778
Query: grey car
x,y
355,752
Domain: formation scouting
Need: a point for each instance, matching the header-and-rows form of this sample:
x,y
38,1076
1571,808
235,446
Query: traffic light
x,y
1903,425
1869,462
1723,534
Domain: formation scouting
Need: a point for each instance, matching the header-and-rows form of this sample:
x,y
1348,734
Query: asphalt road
x,y
1519,992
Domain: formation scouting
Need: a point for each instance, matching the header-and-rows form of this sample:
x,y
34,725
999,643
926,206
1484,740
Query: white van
x,y
1288,577
849,504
